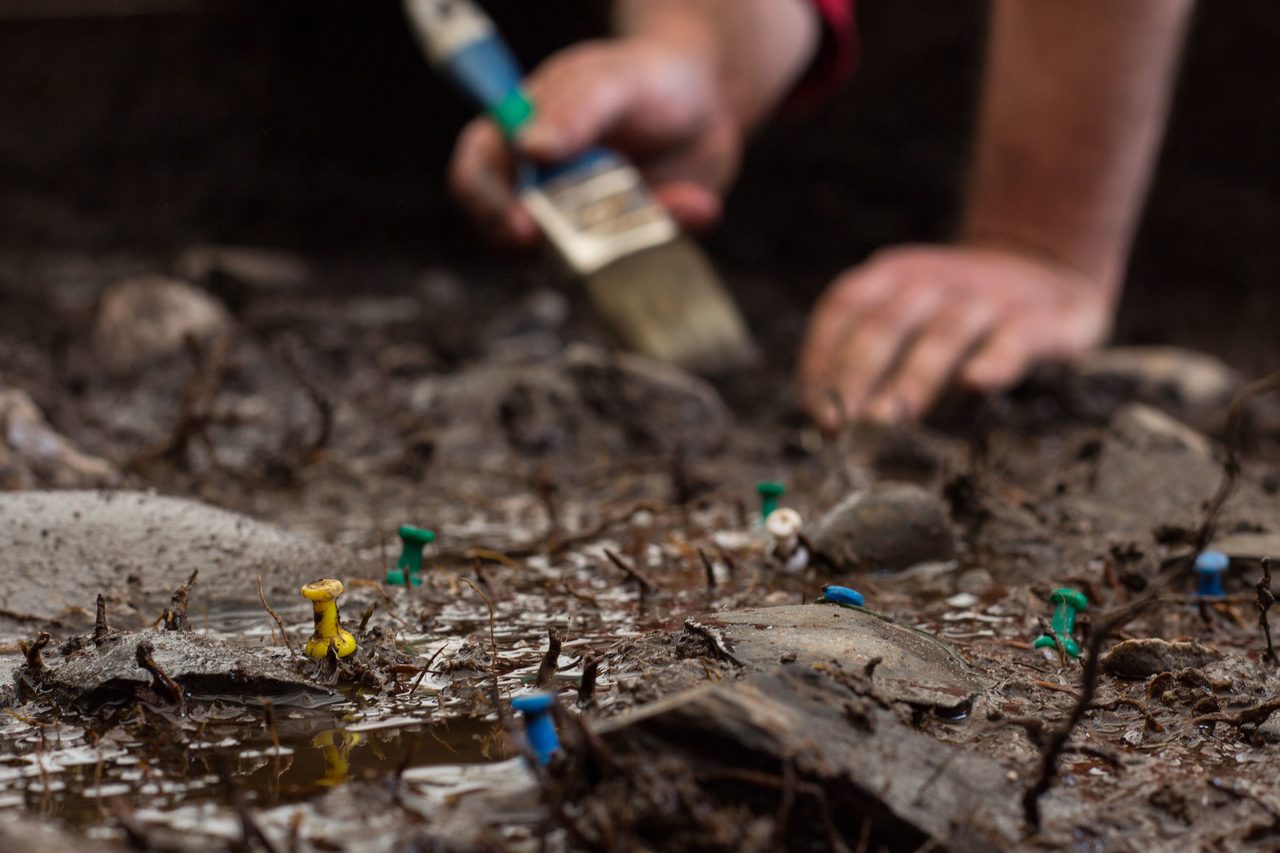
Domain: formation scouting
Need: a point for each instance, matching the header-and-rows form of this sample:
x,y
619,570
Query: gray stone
x,y
1270,728
914,667
1143,658
142,321
62,548
889,527
33,454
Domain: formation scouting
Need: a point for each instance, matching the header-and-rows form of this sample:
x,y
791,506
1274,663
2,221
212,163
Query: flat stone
x,y
1249,546
915,667
889,527
205,667
1143,658
62,548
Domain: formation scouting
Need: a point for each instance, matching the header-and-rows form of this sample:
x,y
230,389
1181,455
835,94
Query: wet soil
x,y
1040,489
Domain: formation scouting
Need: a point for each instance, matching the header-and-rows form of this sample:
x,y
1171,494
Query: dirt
x,y
657,468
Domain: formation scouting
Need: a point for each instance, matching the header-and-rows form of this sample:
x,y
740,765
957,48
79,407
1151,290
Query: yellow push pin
x,y
323,595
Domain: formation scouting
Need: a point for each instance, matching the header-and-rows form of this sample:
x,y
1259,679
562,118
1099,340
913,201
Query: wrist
x,y
1097,268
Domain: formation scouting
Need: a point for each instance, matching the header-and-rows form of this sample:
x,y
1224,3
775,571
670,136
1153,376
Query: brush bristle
x,y
668,303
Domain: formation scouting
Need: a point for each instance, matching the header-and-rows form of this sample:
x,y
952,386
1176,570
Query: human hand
x,y
888,336
659,103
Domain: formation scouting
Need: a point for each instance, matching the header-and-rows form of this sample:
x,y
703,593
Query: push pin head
x,y
413,540
1068,602
1210,567
769,493
842,595
784,526
539,726
329,633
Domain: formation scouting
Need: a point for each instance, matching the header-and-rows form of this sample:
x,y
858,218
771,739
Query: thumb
x,y
573,116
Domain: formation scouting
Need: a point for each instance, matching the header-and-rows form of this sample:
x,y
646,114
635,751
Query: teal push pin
x,y
769,493
1069,602
414,539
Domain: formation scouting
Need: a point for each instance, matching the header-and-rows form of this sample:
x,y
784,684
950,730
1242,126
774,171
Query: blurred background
x,y
146,126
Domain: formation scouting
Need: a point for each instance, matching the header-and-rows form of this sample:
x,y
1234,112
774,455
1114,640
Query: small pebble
x,y
962,600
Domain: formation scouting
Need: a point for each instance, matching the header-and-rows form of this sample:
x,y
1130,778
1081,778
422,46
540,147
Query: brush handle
x,y
463,43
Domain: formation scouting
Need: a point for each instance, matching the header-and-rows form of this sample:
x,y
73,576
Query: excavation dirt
x,y
599,536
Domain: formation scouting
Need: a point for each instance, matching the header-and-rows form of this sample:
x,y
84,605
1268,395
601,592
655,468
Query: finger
x,y
877,343
575,113
480,177
831,323
694,206
930,363
1000,363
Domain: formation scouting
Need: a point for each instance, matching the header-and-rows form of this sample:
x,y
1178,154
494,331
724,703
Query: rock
x,y
145,320
1162,375
33,454
888,528
1270,728
1144,658
64,547
915,667
583,401
205,667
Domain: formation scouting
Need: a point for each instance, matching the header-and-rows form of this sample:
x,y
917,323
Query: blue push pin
x,y
539,727
1210,567
841,595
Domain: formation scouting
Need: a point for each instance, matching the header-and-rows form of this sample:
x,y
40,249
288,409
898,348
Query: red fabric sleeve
x,y
836,57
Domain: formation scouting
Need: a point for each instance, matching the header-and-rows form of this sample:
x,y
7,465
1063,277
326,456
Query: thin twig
x,y
262,596
1266,598
493,648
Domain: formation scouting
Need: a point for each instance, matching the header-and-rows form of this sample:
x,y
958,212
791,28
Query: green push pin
x,y
409,565
1069,602
769,493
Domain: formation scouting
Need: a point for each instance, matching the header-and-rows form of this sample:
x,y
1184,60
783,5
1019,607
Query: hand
x,y
660,104
888,336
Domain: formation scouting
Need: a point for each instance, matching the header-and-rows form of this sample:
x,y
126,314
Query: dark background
x,y
315,125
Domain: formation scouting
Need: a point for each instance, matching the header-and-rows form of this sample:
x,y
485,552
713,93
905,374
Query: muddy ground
x,y
371,376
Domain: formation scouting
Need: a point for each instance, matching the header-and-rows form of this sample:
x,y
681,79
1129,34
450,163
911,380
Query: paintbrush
x,y
649,283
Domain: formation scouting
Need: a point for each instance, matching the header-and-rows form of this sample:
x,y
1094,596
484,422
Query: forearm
x,y
1074,106
759,48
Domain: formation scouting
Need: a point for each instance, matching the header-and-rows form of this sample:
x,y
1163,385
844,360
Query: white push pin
x,y
784,526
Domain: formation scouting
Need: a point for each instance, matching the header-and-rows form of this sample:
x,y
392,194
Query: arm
x,y
1074,106
1076,97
